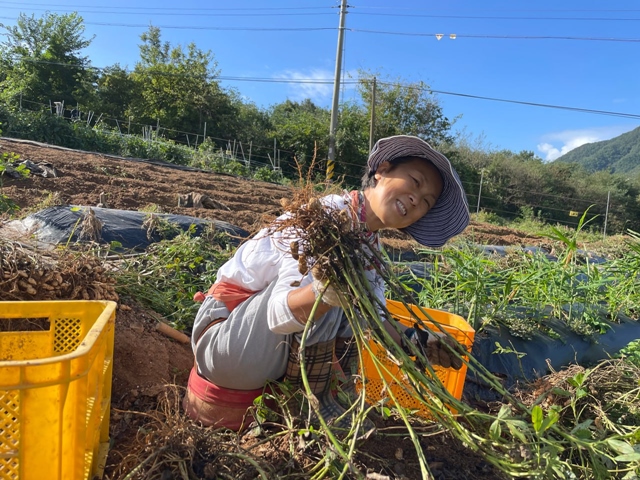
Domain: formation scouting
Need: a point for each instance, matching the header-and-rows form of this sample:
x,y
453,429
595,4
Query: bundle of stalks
x,y
26,274
607,393
90,227
521,440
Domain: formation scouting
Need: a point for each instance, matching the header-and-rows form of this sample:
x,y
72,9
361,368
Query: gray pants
x,y
241,352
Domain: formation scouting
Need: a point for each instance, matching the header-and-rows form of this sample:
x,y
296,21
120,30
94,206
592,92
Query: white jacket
x,y
266,258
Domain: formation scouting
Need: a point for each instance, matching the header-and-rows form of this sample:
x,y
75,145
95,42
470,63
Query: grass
x,y
170,272
523,290
7,163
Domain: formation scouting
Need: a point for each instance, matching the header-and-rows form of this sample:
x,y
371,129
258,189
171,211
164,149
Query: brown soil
x,y
146,360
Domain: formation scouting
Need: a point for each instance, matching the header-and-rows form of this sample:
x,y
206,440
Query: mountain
x,y
620,154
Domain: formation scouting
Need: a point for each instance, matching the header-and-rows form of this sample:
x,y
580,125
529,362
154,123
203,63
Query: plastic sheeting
x,y
61,224
531,358
501,250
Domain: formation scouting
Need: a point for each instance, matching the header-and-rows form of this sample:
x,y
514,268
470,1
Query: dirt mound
x,y
146,360
133,185
127,184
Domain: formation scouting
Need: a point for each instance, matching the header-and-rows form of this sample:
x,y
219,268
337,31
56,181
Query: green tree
x,y
178,88
250,123
623,195
511,181
352,143
302,133
115,92
405,109
41,59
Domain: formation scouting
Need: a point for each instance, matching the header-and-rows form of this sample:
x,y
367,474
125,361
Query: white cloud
x,y
315,84
556,144
549,151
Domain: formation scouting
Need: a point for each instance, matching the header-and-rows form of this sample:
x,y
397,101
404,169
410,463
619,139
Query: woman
x,y
249,327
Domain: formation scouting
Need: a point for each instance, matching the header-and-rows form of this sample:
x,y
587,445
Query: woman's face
x,y
403,194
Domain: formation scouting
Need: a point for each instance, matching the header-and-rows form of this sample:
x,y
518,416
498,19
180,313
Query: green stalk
x,y
552,449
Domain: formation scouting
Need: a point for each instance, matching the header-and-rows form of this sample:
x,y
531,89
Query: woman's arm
x,y
389,327
301,302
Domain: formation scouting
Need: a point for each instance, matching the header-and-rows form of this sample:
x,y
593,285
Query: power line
x,y
520,102
308,81
252,12
324,7
500,37
364,7
228,29
528,193
379,32
356,81
180,27
482,17
436,9
165,8
175,14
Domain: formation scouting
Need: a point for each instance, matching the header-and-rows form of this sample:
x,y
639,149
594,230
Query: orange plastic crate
x,y
55,390
453,380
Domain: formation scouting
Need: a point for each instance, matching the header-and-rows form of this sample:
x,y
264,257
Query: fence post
x,y
372,120
606,216
480,191
247,163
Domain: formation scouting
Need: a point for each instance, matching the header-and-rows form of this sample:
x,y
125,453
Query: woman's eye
x,y
415,180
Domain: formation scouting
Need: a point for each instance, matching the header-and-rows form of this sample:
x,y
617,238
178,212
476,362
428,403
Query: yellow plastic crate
x,y
55,390
453,380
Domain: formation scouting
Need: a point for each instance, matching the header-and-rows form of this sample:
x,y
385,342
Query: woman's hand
x,y
322,288
438,348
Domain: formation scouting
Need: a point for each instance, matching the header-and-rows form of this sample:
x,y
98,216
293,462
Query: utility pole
x,y
480,191
372,122
606,216
336,94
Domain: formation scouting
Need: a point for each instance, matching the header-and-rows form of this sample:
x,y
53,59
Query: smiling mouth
x,y
401,207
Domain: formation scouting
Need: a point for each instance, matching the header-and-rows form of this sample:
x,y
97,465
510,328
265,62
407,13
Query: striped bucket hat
x,y
450,215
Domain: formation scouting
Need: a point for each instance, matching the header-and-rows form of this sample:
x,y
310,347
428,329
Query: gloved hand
x,y
321,288
438,348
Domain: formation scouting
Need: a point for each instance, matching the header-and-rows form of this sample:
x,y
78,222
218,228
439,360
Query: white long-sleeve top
x,y
267,257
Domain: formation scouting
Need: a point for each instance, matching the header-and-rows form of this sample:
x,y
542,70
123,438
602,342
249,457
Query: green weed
x,y
7,163
631,353
523,291
170,272
489,217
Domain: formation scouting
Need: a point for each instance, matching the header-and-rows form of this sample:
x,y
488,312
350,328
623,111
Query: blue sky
x,y
578,54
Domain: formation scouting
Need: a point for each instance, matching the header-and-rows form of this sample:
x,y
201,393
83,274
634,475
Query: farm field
x,y
151,369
